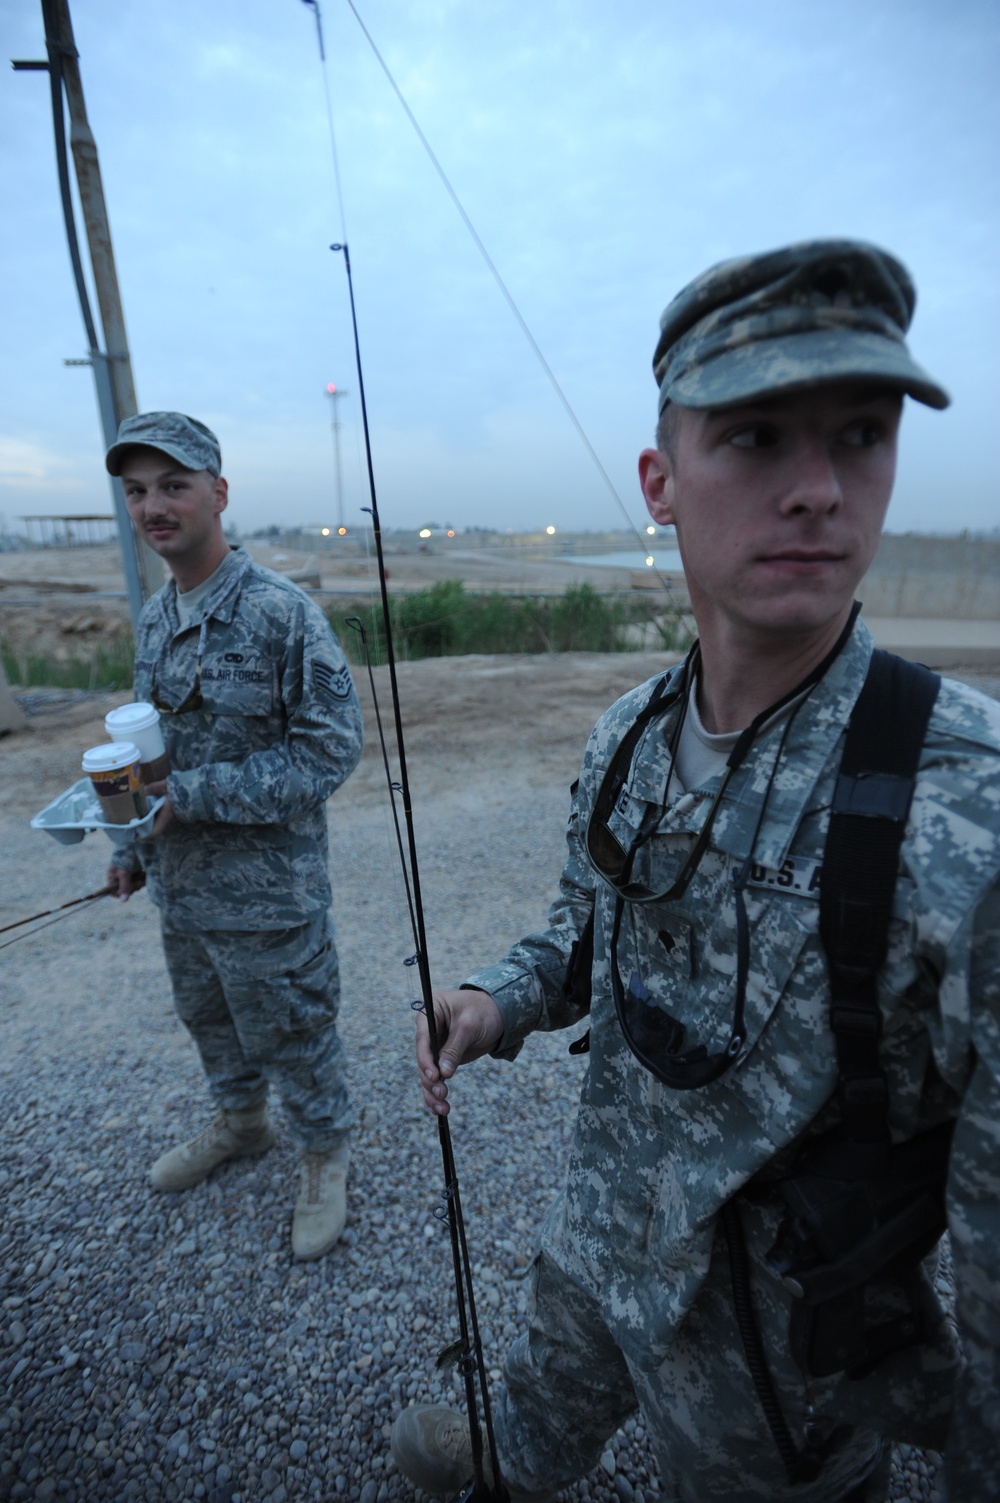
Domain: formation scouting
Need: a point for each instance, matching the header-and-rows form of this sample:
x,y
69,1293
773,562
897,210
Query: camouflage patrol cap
x,y
185,439
825,310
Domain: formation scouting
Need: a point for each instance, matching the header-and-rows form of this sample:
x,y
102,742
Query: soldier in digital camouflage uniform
x,y
781,377
261,724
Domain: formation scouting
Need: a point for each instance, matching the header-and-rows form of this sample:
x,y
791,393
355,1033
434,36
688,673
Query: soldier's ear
x,y
221,495
656,479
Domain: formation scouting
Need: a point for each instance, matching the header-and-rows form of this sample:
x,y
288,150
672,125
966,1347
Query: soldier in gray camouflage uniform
x,y
781,380
261,724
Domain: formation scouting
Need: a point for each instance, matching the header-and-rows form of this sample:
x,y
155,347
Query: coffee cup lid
x,y
135,717
110,757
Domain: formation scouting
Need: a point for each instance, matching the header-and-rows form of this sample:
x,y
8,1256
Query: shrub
x,y
105,667
444,620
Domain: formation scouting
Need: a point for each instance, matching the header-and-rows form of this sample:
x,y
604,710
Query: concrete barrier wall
x,y
934,577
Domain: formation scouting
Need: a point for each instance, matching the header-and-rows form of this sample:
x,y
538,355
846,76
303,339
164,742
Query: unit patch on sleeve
x,y
334,683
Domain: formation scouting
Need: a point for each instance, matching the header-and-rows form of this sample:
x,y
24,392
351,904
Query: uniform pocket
x,y
685,955
788,1069
231,690
281,986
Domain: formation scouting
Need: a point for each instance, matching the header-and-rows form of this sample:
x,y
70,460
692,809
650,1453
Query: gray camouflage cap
x,y
825,310
185,439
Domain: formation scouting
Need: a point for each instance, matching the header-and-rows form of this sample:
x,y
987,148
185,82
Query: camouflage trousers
x,y
568,1387
262,1008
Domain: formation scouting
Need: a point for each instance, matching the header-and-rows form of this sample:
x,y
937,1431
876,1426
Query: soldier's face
x,y
778,504
175,510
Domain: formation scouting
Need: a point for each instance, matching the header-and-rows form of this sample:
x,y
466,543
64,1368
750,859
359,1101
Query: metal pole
x,y
334,392
116,397
131,547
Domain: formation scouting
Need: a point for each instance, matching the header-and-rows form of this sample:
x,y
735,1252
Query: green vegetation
x,y
442,621
105,667
445,621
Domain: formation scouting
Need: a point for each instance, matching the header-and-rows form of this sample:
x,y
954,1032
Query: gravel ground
x,y
167,1347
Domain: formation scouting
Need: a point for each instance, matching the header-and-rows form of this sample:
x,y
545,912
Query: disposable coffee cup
x,y
140,724
114,772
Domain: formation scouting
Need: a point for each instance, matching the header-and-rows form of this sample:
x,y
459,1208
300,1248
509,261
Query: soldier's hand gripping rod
x,y
471,1362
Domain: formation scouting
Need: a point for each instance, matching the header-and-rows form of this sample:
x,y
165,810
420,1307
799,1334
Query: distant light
x,y
425,532
451,532
551,531
649,560
651,530
342,532
324,532
330,387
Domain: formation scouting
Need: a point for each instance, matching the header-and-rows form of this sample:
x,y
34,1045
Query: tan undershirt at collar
x,y
702,754
190,601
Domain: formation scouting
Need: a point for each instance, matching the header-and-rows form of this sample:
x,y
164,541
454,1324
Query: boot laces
x,y
314,1174
453,1438
210,1135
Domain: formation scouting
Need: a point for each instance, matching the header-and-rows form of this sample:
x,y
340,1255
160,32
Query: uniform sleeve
x,y
972,1465
320,748
529,984
126,857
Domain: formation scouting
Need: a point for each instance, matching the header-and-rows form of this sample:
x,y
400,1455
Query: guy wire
x,y
477,240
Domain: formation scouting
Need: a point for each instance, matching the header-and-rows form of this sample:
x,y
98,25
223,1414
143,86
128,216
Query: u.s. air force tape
x,y
334,683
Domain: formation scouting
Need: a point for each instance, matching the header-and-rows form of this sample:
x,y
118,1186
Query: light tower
x,y
334,392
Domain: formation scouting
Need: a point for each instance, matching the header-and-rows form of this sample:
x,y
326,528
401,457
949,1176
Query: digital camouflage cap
x,y
825,310
186,440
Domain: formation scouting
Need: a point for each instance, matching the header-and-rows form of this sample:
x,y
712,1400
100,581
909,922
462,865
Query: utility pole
x,y
112,367
334,393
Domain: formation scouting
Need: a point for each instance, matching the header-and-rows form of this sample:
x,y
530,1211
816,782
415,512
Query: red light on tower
x,y
330,387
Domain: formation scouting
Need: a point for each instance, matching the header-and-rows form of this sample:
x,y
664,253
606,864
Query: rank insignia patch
x,y
335,683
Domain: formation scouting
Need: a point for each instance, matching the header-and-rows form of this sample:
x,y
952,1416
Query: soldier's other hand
x,y
469,1025
123,882
165,813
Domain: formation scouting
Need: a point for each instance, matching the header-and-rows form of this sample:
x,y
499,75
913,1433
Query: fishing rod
x,y
467,1353
59,911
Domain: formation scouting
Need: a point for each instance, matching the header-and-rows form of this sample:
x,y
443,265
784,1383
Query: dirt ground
x,y
493,743
522,719
488,737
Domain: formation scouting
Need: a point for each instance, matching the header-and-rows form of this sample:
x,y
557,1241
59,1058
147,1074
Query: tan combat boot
x,y
233,1135
432,1449
321,1209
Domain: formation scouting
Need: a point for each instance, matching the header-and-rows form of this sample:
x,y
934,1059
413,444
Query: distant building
x,y
69,532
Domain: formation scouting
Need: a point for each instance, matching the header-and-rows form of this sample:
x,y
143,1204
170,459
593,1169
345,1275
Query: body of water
x,y
667,560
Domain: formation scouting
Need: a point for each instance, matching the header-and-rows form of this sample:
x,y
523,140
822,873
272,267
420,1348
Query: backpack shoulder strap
x,y
860,864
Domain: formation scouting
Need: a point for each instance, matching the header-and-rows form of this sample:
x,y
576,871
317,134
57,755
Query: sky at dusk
x,y
605,155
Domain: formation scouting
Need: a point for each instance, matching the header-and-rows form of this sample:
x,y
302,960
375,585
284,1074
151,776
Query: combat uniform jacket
x,y
651,1166
278,729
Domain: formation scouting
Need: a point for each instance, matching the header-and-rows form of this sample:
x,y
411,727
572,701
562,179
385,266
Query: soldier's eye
x,y
863,433
754,436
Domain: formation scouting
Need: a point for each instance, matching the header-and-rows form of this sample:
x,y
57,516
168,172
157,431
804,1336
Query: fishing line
x,y
491,266
329,115
356,624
